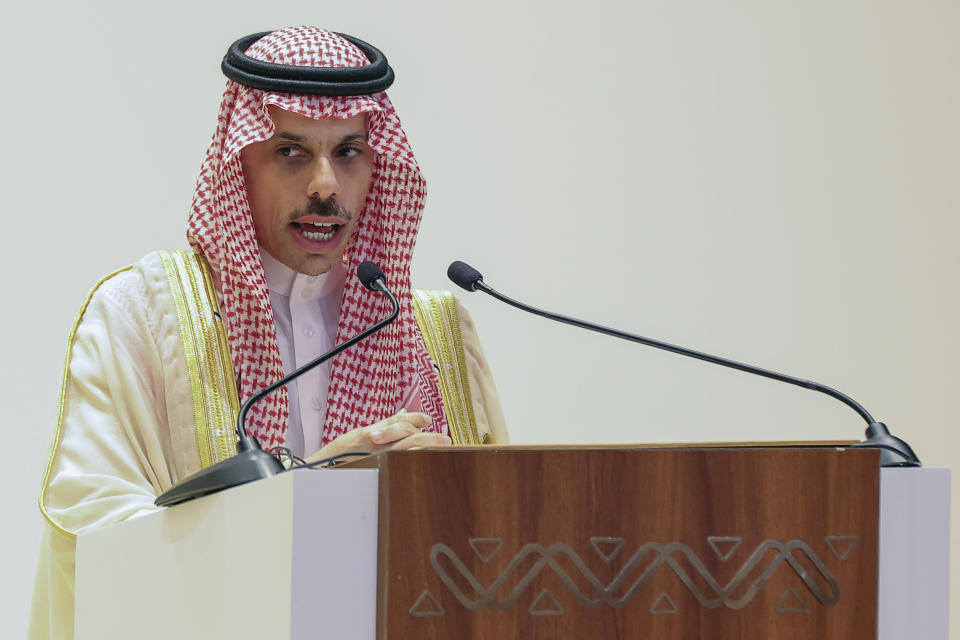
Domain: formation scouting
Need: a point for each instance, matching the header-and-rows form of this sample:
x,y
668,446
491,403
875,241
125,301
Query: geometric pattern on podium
x,y
791,602
663,605
607,548
652,555
724,546
841,546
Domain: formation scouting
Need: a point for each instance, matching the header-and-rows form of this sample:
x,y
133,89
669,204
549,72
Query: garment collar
x,y
283,280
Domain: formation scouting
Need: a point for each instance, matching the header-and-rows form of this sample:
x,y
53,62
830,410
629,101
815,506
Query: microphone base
x,y
894,452
251,463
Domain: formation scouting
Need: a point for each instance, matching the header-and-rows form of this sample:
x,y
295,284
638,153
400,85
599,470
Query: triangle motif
x,y
724,546
426,606
545,605
841,546
606,548
791,602
663,605
485,548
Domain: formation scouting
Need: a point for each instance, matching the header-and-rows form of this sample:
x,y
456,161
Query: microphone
x,y
251,462
372,277
463,275
894,452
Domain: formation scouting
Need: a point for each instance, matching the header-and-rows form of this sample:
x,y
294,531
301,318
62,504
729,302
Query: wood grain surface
x,y
666,580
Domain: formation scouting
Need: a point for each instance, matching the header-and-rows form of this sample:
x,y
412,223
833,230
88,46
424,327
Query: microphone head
x,y
464,275
369,273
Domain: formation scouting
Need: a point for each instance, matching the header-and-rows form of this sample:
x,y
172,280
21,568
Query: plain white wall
x,y
777,182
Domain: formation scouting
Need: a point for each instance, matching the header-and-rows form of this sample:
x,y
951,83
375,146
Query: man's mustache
x,y
328,207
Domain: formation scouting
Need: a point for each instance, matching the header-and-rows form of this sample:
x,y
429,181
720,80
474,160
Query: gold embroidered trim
x,y
436,313
209,365
63,392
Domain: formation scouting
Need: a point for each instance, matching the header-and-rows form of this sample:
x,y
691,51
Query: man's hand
x,y
400,431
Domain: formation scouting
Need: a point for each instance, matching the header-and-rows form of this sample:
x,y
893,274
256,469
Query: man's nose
x,y
323,183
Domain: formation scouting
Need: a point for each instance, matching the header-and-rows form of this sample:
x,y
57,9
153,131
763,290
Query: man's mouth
x,y
317,231
318,235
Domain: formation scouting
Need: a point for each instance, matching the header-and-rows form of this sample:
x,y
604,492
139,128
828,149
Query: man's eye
x,y
349,151
289,152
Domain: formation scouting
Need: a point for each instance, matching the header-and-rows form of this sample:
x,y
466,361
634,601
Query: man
x,y
309,174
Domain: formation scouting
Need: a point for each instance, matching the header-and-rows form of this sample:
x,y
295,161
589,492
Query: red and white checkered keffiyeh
x,y
368,381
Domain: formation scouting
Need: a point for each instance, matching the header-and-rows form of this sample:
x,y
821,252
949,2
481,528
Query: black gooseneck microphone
x,y
894,452
251,462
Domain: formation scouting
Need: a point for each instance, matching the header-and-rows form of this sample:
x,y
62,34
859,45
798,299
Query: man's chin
x,y
314,265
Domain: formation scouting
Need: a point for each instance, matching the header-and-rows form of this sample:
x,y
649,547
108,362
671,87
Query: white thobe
x,y
127,432
306,310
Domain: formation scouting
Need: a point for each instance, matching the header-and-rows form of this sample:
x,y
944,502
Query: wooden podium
x,y
524,542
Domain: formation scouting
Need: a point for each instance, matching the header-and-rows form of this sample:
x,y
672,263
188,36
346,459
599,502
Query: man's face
x,y
307,186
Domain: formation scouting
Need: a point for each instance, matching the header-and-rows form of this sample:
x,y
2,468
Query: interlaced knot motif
x,y
650,557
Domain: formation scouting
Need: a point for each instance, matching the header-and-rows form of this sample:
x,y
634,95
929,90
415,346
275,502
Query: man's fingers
x,y
421,440
383,434
419,420
396,435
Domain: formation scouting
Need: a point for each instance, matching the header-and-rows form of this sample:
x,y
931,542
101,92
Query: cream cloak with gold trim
x,y
127,429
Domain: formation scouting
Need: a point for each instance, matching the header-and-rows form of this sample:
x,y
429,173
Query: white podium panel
x,y
914,564
293,556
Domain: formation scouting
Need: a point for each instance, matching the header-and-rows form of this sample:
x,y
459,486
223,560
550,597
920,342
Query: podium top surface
x,y
761,444
373,460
